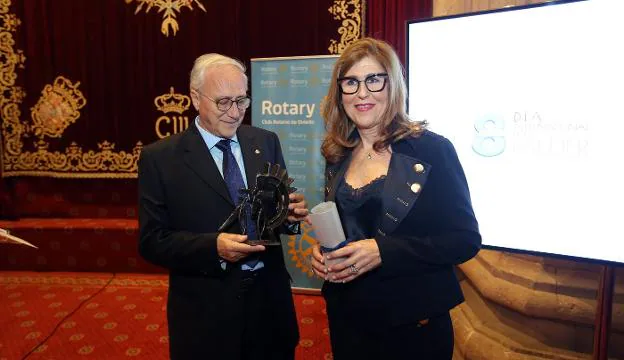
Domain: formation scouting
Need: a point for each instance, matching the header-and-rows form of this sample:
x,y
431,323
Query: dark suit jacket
x,y
183,200
427,226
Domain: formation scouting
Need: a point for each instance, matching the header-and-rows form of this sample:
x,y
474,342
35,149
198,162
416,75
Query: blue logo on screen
x,y
489,139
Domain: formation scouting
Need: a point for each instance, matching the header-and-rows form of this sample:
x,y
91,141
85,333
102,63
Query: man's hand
x,y
231,247
297,208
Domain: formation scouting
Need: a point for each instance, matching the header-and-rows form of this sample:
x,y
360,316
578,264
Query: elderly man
x,y
227,299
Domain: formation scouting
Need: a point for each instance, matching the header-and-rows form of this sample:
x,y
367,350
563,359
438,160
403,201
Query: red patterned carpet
x,y
66,316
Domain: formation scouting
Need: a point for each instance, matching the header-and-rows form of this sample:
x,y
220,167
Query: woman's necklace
x,y
371,154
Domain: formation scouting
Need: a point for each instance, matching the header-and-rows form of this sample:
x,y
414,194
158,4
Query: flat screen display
x,y
533,100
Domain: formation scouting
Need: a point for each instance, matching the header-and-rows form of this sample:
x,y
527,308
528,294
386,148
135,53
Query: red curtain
x,y
386,20
122,61
103,63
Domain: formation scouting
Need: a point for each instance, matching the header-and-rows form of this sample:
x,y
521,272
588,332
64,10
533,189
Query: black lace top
x,y
359,208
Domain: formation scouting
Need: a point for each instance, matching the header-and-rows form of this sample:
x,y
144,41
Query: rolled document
x,y
327,227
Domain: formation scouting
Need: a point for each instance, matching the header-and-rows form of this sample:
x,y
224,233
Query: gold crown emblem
x,y
172,102
57,108
299,249
68,91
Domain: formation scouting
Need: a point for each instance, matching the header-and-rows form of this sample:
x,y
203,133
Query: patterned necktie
x,y
234,181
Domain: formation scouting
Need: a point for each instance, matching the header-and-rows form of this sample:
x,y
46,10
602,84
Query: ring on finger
x,y
353,269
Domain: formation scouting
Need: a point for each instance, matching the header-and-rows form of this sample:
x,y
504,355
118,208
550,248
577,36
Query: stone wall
x,y
531,307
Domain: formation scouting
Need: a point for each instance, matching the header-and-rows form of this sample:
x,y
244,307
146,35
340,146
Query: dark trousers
x,y
261,341
248,316
430,341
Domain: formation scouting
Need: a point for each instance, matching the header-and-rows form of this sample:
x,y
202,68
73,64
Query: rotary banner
x,y
288,94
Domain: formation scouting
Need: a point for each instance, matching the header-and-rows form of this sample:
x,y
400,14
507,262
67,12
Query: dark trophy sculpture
x,y
267,202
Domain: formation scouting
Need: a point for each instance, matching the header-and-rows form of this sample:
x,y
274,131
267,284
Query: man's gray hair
x,y
211,60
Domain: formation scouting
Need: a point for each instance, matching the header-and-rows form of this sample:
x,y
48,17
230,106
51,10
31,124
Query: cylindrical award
x,y
327,228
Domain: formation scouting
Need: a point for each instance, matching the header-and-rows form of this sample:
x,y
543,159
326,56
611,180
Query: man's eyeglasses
x,y
373,82
224,104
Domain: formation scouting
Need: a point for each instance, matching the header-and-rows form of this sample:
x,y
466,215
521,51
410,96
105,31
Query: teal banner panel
x,y
287,97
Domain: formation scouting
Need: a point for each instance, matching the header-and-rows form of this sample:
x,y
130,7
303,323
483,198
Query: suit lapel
x,y
404,183
198,158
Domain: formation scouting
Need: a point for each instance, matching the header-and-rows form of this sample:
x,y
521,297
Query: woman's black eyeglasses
x,y
373,82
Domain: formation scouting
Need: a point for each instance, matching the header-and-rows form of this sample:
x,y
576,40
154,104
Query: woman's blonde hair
x,y
395,124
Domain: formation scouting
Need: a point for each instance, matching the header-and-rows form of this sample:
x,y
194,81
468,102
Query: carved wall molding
x,y
533,290
474,340
531,307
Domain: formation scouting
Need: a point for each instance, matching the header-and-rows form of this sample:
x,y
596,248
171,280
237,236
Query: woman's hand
x,y
359,257
318,263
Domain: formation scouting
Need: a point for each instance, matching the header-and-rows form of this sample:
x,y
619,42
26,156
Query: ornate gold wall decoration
x,y
169,9
77,163
57,108
171,103
10,95
55,111
351,14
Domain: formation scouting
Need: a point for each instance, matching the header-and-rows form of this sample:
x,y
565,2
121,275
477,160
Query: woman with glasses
x,y
405,208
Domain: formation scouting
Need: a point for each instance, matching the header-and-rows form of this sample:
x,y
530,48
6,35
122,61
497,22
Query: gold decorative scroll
x,y
169,9
10,94
350,13
75,162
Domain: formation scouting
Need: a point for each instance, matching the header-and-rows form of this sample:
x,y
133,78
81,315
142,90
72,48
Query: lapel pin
x,y
415,187
257,151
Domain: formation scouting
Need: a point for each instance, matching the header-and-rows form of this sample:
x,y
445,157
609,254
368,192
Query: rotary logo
x,y
300,249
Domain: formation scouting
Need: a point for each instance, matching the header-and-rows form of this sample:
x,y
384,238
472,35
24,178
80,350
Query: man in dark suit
x,y
227,299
